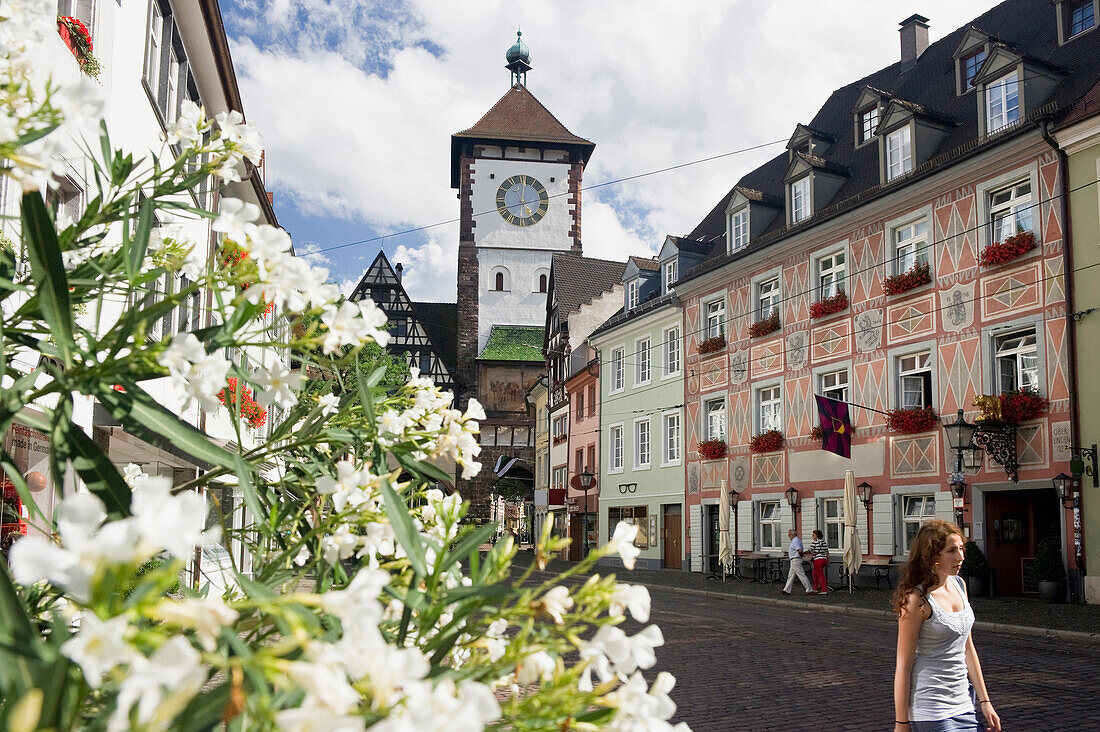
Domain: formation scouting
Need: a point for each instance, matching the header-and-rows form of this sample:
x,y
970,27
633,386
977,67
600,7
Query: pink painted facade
x,y
584,444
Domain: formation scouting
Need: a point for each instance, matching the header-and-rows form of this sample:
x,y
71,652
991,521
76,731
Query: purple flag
x,y
836,429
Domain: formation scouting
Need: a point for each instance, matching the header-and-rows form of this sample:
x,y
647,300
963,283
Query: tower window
x,y
542,283
498,283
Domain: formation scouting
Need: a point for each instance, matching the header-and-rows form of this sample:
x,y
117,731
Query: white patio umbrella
x,y
725,549
853,554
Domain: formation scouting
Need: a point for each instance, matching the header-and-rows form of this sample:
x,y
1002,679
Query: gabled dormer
x,y
867,113
677,256
969,56
810,183
640,281
1075,17
908,135
1010,86
748,215
809,141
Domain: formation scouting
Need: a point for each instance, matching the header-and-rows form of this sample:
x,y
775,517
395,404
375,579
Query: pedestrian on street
x,y
819,552
937,674
797,570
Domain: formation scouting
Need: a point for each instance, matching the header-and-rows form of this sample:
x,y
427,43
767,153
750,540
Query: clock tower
x,y
518,174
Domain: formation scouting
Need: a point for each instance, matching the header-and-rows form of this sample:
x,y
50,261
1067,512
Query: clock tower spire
x,y
519,60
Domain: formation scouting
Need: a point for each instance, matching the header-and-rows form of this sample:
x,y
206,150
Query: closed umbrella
x,y
725,550
853,554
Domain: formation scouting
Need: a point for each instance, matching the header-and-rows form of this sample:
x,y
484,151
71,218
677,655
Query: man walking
x,y
797,570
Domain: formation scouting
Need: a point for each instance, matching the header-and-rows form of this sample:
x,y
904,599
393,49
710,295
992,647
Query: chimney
x,y
398,268
914,38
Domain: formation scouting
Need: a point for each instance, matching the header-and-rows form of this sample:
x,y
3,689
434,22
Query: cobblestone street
x,y
743,665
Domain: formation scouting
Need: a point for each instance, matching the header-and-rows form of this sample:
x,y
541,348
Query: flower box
x,y
558,439
75,35
1011,248
712,345
829,305
766,441
917,275
913,420
712,449
1022,406
765,326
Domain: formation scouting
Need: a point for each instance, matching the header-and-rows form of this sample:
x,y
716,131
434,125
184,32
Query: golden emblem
x,y
989,406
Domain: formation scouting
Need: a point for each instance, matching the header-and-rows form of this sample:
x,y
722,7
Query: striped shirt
x,y
819,548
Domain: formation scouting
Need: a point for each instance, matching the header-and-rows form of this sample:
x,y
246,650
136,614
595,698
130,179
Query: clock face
x,y
522,200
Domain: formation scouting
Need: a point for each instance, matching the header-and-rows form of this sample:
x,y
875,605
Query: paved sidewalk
x,y
1004,614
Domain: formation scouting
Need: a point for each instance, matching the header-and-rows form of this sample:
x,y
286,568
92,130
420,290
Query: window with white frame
x,y
1017,361
915,380
832,521
579,399
632,294
618,370
560,427
672,351
800,200
615,448
641,443
671,438
834,385
154,39
1082,17
641,366
868,124
79,9
1002,102
916,510
910,246
770,525
716,318
767,298
670,274
560,476
769,408
899,153
739,230
830,275
714,411
970,65
1010,210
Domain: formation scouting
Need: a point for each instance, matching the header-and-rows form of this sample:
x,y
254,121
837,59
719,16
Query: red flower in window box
x,y
766,441
765,326
712,345
251,411
558,439
1022,406
1011,248
829,305
912,420
76,36
917,275
712,449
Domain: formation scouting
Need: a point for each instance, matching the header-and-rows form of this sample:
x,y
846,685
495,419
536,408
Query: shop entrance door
x,y
1016,521
672,536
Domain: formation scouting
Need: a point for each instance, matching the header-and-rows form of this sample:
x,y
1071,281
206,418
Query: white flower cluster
x,y
231,140
642,709
200,375
433,427
394,679
159,522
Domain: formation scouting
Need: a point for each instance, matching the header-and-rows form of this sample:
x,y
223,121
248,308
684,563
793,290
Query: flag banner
x,y
836,428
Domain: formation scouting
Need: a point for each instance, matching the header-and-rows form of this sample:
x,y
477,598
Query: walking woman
x,y
937,674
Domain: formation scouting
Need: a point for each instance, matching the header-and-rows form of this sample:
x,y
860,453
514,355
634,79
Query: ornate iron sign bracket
x,y
999,440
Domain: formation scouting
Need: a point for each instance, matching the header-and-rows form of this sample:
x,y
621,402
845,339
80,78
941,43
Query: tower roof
x,y
517,117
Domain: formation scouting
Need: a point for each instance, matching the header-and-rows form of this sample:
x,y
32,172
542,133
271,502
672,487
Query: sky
x,y
357,100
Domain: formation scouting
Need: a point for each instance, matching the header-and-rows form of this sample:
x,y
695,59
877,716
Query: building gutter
x,y
1071,322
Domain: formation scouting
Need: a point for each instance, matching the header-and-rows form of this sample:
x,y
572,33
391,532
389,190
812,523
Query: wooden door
x,y
672,534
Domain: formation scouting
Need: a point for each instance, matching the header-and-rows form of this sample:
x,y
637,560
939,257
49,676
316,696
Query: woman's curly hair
x,y
919,572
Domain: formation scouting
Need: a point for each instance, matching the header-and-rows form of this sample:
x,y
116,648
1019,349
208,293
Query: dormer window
x,y
670,274
800,200
1075,17
868,124
632,295
739,230
969,65
899,153
1002,104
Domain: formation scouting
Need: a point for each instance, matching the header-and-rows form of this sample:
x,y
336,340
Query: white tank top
x,y
939,687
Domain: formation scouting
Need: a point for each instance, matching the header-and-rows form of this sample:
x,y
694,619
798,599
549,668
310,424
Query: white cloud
x,y
358,100
311,250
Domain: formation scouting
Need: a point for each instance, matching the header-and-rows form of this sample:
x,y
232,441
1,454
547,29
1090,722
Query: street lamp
x,y
792,498
587,478
960,438
1063,486
864,489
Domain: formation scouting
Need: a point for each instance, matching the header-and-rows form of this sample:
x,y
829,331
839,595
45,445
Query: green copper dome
x,y
519,51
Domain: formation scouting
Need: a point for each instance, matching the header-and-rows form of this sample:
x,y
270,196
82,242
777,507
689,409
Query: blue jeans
x,y
967,722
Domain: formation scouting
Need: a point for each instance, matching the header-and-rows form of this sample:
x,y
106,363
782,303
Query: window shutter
x,y
882,508
944,510
786,520
810,518
697,538
861,527
745,525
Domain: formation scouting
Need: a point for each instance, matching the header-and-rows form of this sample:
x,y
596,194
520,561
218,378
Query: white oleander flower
x,y
317,720
189,126
174,523
329,403
280,385
622,541
235,219
326,686
634,598
207,616
243,136
535,667
99,646
555,603
639,709
496,643
183,350
159,687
